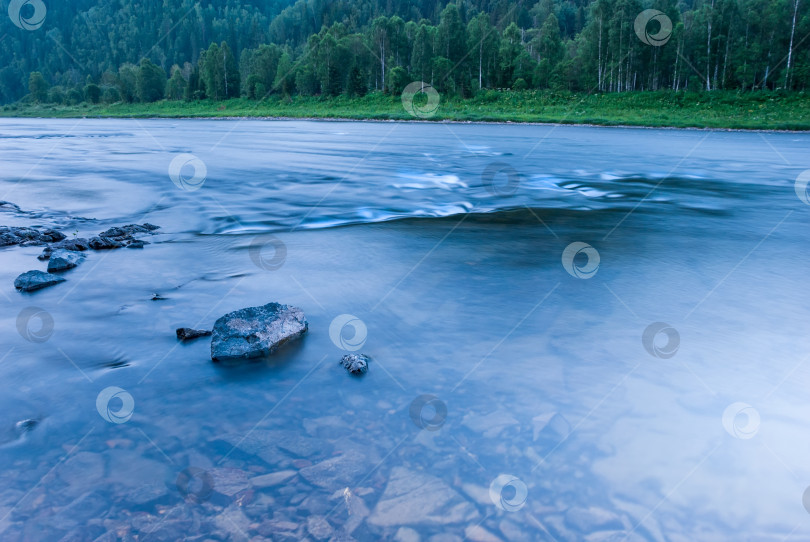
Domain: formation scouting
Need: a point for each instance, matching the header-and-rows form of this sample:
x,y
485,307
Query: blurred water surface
x,y
446,241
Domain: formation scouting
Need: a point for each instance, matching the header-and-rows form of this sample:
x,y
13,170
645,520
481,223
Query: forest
x,y
126,51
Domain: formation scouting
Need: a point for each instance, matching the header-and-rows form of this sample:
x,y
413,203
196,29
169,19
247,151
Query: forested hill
x,y
122,50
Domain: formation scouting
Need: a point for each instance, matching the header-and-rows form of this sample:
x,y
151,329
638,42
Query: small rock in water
x,y
158,297
24,426
122,236
35,280
357,364
62,260
104,243
256,331
77,244
188,334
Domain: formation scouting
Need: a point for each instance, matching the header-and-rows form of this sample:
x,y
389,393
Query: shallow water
x,y
457,275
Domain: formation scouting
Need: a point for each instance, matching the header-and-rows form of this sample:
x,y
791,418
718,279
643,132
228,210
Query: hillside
x,y
122,51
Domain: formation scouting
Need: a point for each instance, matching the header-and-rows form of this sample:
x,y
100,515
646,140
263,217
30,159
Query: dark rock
x,y
77,244
158,297
28,236
128,230
104,243
35,280
24,426
62,260
357,364
122,236
256,331
188,334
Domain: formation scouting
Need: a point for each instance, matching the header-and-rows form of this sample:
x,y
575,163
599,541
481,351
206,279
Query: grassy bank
x,y
718,109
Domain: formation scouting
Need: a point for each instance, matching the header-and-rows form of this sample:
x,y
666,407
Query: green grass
x,y
717,109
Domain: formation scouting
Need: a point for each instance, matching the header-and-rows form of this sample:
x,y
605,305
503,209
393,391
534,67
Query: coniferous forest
x,y
122,51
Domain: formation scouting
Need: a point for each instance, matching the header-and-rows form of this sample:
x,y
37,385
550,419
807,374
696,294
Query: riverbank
x,y
717,109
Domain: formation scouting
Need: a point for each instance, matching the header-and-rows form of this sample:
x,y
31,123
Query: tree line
x,y
99,52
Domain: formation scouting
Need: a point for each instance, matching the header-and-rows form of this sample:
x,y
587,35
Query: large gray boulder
x,y
35,280
256,331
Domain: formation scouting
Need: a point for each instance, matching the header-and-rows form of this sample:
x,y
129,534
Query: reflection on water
x,y
506,398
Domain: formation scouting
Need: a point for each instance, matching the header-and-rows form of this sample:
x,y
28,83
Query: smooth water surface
x,y
489,358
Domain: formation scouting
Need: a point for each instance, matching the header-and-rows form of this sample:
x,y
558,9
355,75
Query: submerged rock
x,y
77,244
62,260
357,364
28,236
188,334
35,280
256,331
416,498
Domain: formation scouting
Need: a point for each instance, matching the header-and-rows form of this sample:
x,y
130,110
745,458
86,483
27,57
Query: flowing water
x,y
519,389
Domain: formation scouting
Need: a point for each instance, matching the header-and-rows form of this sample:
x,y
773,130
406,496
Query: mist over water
x,y
447,242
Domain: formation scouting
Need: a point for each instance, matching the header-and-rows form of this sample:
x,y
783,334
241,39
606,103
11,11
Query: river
x,y
576,333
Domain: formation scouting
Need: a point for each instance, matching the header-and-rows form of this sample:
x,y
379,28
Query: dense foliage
x,y
127,51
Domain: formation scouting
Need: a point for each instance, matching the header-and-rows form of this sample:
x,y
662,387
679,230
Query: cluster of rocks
x,y
27,237
257,332
63,254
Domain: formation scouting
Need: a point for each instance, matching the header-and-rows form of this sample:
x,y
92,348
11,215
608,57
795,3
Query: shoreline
x,y
718,110
417,121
